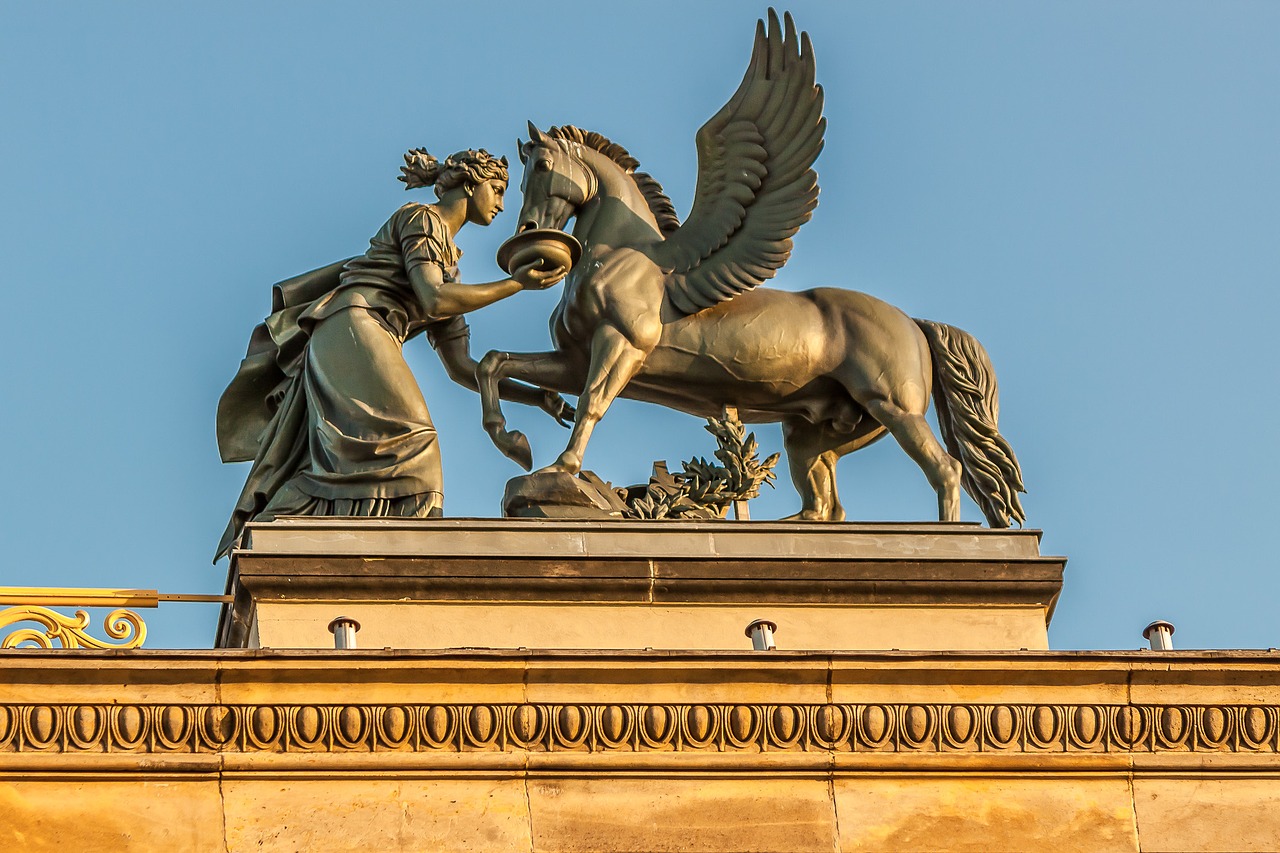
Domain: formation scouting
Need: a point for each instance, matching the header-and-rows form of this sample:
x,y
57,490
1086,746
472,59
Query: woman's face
x,y
486,201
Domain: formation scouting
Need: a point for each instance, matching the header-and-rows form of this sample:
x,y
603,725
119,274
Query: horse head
x,y
556,181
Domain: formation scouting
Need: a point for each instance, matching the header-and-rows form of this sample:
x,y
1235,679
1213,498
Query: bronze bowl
x,y
549,247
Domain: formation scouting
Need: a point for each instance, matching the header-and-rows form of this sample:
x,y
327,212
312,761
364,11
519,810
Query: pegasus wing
x,y
756,184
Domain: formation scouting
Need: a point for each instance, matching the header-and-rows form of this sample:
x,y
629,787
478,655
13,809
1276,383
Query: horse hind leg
x,y
813,471
812,453
912,432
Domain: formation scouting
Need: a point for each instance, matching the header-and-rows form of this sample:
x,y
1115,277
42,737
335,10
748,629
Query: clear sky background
x,y
1090,188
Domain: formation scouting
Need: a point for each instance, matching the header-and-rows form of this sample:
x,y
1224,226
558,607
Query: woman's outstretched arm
x,y
440,298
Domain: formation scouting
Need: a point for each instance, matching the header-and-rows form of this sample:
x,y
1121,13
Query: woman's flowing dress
x,y
347,431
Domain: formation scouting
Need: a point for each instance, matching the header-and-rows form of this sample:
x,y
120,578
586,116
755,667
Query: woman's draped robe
x,y
324,402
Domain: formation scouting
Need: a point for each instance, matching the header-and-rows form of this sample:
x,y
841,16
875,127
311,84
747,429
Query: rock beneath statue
x,y
555,494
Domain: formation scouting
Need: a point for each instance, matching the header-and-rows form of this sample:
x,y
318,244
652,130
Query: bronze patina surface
x,y
324,403
540,246
700,489
672,313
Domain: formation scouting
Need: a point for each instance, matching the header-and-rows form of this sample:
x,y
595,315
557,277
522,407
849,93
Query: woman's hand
x,y
556,406
534,277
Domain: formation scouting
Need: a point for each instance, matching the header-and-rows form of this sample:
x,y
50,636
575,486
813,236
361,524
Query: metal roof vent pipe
x,y
1160,635
761,633
344,632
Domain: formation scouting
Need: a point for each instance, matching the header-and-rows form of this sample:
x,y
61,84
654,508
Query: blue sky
x,y
1090,188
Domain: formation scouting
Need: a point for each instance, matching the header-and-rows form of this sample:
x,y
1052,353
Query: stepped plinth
x,y
573,584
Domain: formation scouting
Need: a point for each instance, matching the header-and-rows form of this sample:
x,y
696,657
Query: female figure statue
x,y
324,403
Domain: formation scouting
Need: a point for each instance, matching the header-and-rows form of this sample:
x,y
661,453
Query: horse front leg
x,y
554,370
614,361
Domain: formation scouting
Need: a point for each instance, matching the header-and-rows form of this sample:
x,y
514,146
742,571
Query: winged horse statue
x,y
673,313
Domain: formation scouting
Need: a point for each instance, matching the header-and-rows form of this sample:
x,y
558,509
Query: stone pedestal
x,y
624,724
574,584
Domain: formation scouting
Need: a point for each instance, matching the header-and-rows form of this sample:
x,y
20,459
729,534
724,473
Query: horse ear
x,y
524,156
536,135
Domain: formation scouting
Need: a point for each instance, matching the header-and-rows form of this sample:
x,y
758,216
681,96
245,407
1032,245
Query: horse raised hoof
x,y
515,447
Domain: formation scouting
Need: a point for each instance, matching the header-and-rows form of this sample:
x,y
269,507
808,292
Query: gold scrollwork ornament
x,y
69,632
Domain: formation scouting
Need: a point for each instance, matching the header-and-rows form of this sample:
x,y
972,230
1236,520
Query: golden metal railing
x,y
33,604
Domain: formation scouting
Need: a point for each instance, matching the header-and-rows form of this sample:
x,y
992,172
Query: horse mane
x,y
659,205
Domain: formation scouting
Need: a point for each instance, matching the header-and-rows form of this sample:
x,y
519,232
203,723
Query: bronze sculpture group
x,y
653,309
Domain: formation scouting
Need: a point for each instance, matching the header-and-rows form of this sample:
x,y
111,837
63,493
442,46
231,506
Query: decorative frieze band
x,y
639,728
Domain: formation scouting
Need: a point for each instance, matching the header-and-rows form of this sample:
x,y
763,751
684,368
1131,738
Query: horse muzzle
x,y
551,213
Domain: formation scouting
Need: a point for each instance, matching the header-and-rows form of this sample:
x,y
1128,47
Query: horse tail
x,y
968,403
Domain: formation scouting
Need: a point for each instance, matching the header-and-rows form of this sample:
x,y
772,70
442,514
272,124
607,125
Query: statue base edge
x,y
581,584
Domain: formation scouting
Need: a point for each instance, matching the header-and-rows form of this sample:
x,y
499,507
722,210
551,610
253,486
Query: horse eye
x,y
543,165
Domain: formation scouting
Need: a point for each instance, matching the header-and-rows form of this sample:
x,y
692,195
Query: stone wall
x,y
520,750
